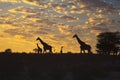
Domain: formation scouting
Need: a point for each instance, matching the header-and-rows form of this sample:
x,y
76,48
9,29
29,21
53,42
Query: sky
x,y
55,22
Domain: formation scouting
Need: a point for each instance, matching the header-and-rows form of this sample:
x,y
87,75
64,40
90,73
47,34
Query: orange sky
x,y
55,21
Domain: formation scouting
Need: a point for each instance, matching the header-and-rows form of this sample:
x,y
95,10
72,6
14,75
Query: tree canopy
x,y
108,43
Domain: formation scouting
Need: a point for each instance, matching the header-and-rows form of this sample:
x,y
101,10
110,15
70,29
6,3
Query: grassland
x,y
58,67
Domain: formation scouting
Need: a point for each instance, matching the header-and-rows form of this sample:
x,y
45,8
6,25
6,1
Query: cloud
x,y
106,25
39,3
56,21
96,5
0,9
18,31
45,21
13,1
112,22
65,29
43,30
7,19
59,7
101,29
79,11
67,18
31,2
23,10
36,15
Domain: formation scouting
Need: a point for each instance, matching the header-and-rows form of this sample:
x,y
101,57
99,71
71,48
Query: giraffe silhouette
x,y
39,49
45,46
61,50
83,45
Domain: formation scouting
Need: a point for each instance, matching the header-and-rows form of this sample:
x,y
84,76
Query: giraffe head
x,y
37,43
38,38
61,46
75,35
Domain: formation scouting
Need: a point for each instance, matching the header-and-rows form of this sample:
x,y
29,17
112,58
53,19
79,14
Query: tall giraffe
x,y
83,45
45,46
39,49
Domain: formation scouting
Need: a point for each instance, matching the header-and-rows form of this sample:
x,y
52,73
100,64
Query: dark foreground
x,y
59,67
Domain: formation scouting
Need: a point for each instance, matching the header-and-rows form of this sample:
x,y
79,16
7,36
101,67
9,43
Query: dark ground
x,y
59,67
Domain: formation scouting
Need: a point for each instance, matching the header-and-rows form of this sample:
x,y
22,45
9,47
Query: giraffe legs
x,y
46,50
50,50
89,51
43,50
38,51
82,50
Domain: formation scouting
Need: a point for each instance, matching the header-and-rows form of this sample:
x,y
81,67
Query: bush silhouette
x,y
8,51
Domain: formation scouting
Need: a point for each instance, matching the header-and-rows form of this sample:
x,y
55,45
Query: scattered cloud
x,y
23,10
39,3
13,1
95,4
68,18
58,20
45,21
22,32
7,19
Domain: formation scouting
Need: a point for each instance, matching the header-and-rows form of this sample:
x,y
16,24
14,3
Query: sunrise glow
x,y
55,22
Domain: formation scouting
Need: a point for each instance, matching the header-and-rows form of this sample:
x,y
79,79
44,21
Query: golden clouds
x,y
64,30
32,2
55,21
36,3
7,16
13,1
23,10
69,18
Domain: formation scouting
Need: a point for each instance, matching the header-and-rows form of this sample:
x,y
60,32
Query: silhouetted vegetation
x,y
35,50
58,66
8,51
108,43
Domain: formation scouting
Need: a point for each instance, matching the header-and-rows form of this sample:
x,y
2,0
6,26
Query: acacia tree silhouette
x,y
35,50
108,42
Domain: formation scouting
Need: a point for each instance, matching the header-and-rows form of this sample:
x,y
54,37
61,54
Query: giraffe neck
x,y
79,41
42,42
37,46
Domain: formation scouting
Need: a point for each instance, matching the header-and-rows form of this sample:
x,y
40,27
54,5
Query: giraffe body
x,y
83,45
45,46
39,49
